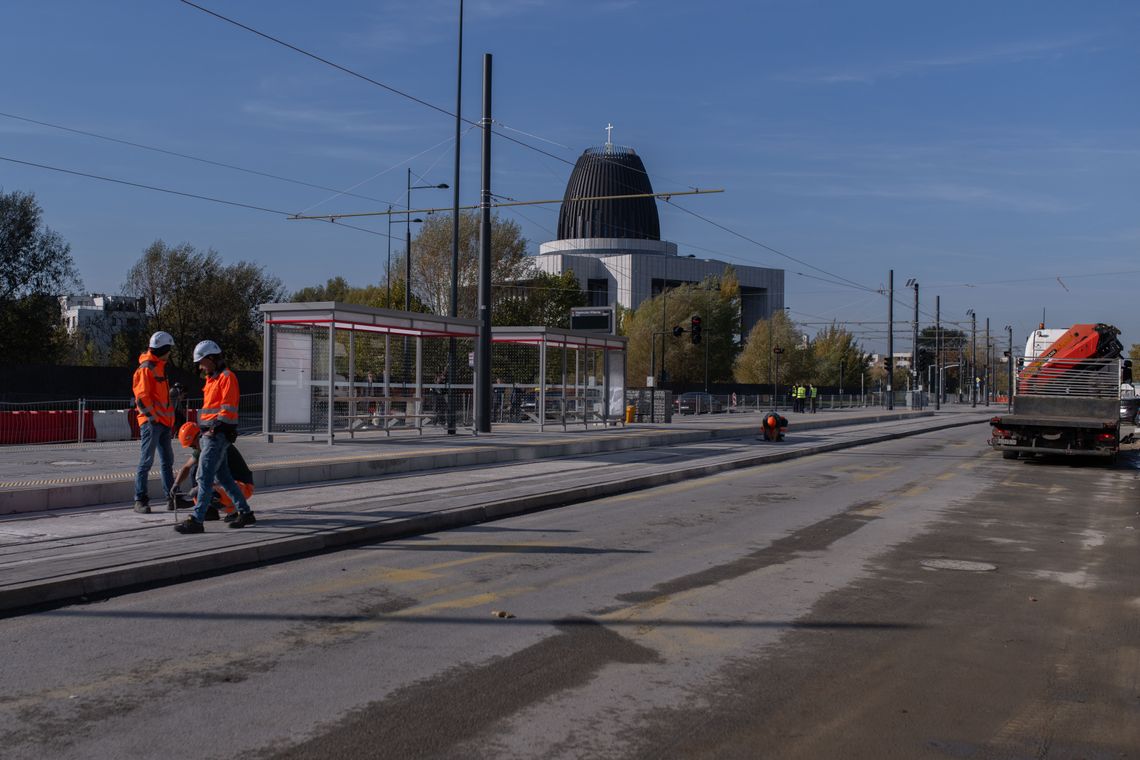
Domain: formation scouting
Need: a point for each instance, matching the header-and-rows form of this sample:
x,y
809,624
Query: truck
x,y
1073,396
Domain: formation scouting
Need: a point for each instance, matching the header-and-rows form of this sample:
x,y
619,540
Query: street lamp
x,y
408,254
408,237
388,269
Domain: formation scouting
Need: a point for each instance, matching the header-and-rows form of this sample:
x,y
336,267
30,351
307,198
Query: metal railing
x,y
1080,378
74,420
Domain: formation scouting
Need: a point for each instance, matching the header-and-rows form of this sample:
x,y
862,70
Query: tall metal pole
x,y
890,363
914,341
454,308
706,364
1009,372
989,362
483,351
973,358
937,352
388,268
407,270
408,249
664,329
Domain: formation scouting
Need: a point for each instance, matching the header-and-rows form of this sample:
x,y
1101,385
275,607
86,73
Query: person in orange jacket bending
x,y
190,436
155,417
218,420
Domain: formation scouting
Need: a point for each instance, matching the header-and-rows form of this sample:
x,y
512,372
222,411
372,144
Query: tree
x,y
837,353
756,363
546,299
1134,352
195,296
431,260
35,267
716,301
338,289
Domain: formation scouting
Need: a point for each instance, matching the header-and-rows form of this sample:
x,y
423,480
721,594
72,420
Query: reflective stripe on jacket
x,y
801,392
152,391
220,402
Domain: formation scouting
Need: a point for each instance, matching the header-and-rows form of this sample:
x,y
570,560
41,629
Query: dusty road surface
x,y
921,598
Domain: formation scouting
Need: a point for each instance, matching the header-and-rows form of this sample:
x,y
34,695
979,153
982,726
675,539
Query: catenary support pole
x,y
483,351
973,359
937,352
890,362
1009,372
989,363
453,309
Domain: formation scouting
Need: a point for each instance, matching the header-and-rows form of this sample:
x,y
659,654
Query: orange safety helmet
x,y
188,433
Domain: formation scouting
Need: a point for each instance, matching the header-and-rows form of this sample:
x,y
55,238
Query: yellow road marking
x,y
878,473
380,575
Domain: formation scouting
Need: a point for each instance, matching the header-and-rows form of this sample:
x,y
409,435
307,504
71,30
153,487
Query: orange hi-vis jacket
x,y
152,391
220,404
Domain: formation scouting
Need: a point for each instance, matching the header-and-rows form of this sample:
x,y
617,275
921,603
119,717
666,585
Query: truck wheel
x,y
1010,454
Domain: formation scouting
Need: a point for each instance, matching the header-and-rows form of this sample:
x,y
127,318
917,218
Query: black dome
x,y
612,170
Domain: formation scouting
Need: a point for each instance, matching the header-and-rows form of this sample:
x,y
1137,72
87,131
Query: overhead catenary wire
x,y
187,156
446,112
169,191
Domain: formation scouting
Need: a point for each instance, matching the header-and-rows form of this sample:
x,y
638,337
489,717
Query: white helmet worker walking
x,y
161,339
206,348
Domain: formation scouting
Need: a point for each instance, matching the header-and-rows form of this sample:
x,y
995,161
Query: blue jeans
x,y
212,466
152,436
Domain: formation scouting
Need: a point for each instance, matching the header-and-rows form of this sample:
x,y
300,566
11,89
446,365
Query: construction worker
x,y
155,418
813,394
189,435
801,397
218,420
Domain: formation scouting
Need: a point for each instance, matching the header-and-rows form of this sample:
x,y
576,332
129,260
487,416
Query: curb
x,y
48,498
99,583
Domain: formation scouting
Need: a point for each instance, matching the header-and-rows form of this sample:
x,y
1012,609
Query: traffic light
x,y
678,331
695,329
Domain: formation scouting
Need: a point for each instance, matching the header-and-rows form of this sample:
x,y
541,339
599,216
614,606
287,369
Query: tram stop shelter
x,y
549,376
332,368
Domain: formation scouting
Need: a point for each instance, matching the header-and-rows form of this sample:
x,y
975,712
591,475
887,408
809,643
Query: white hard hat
x,y
206,348
161,339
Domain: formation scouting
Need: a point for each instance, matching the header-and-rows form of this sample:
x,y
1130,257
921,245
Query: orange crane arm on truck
x,y
1065,354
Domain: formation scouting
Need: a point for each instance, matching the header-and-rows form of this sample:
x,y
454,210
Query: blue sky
x,y
964,144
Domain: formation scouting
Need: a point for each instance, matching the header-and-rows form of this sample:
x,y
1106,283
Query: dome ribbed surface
x,y
613,171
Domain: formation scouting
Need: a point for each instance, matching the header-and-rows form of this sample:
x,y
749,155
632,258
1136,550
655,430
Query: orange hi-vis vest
x,y
220,404
152,391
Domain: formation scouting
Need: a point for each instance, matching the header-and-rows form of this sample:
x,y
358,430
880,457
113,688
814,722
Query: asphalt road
x,y
918,598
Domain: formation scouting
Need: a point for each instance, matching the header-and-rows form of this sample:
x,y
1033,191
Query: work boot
x,y
190,525
242,520
181,502
212,513
142,507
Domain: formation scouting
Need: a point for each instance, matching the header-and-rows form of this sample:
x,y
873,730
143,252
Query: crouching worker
x,y
773,426
190,435
218,420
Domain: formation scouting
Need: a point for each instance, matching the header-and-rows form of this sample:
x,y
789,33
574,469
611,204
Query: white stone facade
x,y
628,271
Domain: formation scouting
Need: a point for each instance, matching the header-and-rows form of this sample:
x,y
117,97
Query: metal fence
x,y
96,419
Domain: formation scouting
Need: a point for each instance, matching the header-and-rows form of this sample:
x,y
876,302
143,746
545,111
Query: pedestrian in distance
x,y
218,419
813,395
801,397
190,436
155,418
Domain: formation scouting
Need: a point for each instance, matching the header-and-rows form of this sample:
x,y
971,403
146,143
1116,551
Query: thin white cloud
x,y
342,122
1013,52
502,8
946,192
